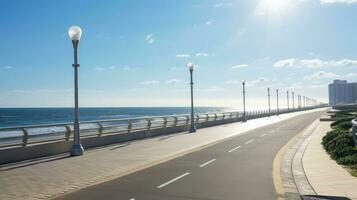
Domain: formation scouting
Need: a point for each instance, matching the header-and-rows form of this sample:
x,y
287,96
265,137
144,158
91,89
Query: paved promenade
x,y
238,168
51,177
325,176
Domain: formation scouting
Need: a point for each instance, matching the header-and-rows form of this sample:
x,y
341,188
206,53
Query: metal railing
x,y
26,135
354,131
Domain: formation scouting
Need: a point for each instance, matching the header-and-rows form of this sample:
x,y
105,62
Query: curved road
x,y
238,168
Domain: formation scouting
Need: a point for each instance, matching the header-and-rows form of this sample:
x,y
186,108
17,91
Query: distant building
x,y
342,93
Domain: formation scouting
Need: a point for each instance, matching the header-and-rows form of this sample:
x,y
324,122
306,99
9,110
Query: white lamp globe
x,y
190,66
75,32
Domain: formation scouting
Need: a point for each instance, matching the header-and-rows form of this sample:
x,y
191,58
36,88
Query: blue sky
x,y
134,53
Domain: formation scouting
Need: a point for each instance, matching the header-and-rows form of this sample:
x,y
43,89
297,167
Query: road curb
x,y
296,184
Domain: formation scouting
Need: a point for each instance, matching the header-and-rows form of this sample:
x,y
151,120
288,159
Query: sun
x,y
276,5
271,7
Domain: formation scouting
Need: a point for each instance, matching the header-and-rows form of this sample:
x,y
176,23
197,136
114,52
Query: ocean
x,y
11,117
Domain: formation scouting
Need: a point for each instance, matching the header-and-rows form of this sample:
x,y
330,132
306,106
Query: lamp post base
x,y
192,129
77,150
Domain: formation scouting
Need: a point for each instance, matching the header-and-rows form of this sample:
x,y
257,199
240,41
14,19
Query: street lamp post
x,y
244,114
293,100
277,101
269,100
75,33
287,99
193,128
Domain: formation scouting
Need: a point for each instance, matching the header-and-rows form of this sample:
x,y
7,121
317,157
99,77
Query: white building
x,y
341,93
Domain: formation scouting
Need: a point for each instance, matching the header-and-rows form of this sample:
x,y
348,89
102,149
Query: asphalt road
x,y
238,168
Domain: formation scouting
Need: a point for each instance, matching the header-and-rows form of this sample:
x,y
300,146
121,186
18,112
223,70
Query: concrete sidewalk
x,y
50,177
325,176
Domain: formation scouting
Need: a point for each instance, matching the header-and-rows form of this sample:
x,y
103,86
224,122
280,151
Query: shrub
x,y
348,160
354,170
342,114
345,125
341,146
331,136
336,123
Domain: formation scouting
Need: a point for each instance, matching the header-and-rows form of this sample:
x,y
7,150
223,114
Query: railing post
x,y
100,129
207,117
25,136
175,121
187,120
148,126
130,126
215,117
68,132
230,115
224,116
197,119
165,122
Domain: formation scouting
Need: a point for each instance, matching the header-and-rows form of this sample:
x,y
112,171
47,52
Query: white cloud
x,y
239,66
210,22
351,75
327,75
126,68
313,63
7,67
172,81
151,82
337,1
256,81
249,83
218,5
201,54
182,55
112,67
149,38
99,69
320,75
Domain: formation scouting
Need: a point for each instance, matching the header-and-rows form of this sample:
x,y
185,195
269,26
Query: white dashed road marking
x,y
206,163
233,149
249,141
173,180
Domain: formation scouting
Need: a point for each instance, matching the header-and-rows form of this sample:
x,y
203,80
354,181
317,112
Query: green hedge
x,y
341,114
348,160
339,142
347,119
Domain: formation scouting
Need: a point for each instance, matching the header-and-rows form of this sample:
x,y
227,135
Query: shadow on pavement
x,y
30,162
321,197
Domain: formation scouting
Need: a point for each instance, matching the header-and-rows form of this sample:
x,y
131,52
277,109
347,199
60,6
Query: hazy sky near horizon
x,y
134,53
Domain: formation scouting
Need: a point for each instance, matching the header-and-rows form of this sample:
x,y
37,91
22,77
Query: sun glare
x,y
272,7
276,5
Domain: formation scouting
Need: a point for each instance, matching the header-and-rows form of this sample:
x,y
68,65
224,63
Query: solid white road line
x,y
233,149
249,141
263,135
173,180
206,163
